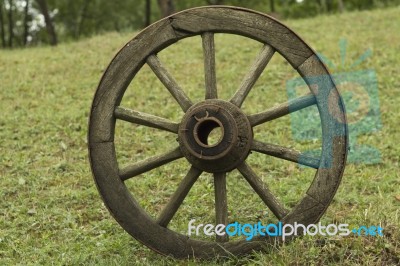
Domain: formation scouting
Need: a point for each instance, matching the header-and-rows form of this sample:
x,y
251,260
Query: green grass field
x,y
51,212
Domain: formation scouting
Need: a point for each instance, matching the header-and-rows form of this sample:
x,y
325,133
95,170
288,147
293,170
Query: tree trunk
x,y
322,3
2,32
49,24
26,20
215,2
82,18
147,19
166,7
329,5
10,24
272,5
341,6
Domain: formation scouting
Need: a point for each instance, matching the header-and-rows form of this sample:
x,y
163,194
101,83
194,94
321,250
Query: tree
x,y
83,16
166,7
49,23
341,6
215,2
329,5
26,20
2,32
147,19
272,5
10,24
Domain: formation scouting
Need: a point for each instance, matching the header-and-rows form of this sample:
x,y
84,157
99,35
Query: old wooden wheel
x,y
199,119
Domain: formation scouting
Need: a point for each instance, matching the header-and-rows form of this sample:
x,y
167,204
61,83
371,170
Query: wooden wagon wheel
x,y
231,151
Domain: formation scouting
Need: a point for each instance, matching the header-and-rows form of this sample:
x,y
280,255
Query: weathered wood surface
x,y
169,82
177,198
252,76
334,130
263,191
247,23
209,65
285,153
149,164
119,74
144,119
221,203
125,209
282,110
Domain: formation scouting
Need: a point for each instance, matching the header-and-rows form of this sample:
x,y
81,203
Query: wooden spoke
x,y
282,109
145,119
209,65
262,190
221,205
178,197
149,164
285,153
169,82
252,76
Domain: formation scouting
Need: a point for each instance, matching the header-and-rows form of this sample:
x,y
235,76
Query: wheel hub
x,y
223,152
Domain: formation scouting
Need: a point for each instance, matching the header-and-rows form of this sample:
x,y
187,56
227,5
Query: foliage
x,y
79,18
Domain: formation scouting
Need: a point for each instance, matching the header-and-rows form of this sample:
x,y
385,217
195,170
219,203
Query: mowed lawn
x,y
51,212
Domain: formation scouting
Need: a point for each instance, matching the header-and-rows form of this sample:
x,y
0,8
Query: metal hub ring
x,y
234,144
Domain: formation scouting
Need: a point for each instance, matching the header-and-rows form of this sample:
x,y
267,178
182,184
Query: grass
x,y
51,212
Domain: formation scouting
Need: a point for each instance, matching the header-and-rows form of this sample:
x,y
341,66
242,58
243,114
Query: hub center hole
x,y
209,132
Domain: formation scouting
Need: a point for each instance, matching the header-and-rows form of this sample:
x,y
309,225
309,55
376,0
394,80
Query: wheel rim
x,y
237,141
